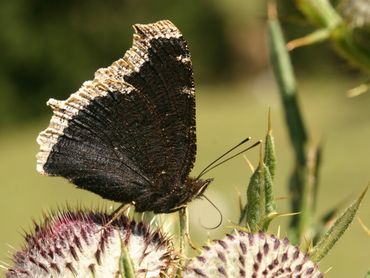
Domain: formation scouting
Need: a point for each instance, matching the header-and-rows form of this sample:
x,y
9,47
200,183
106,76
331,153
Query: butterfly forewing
x,y
131,130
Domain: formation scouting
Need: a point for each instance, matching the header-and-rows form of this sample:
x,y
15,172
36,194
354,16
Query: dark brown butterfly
x,y
129,134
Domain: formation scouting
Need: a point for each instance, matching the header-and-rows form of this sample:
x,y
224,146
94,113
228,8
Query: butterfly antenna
x,y
227,159
219,212
223,155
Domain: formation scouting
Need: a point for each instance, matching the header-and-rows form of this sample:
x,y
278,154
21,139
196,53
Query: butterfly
x,y
129,134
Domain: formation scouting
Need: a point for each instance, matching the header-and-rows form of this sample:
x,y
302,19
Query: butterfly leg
x,y
184,226
116,214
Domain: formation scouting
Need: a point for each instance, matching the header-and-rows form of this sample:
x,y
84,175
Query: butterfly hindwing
x,y
166,77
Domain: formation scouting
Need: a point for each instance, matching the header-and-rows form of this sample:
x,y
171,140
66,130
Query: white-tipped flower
x,y
80,244
356,12
251,255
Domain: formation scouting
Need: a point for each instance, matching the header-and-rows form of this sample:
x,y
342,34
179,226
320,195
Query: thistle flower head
x,y
251,255
81,244
356,12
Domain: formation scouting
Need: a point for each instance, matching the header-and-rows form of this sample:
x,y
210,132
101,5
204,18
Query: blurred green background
x,y
49,48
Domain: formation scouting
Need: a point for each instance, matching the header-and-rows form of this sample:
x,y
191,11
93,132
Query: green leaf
x,y
270,207
336,231
253,200
326,218
269,196
260,200
270,155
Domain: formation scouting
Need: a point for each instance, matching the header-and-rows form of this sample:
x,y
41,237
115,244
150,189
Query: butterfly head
x,y
198,186
194,188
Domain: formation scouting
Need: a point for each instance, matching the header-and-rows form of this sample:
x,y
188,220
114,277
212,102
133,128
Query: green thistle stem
x,y
182,238
320,12
285,78
324,16
126,264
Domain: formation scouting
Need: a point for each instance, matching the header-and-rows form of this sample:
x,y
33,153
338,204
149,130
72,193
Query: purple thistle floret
x,y
249,255
81,244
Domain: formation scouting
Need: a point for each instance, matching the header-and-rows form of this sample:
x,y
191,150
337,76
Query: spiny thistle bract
x,y
84,244
243,254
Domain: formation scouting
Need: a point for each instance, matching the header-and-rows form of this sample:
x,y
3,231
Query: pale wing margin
x,y
105,80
